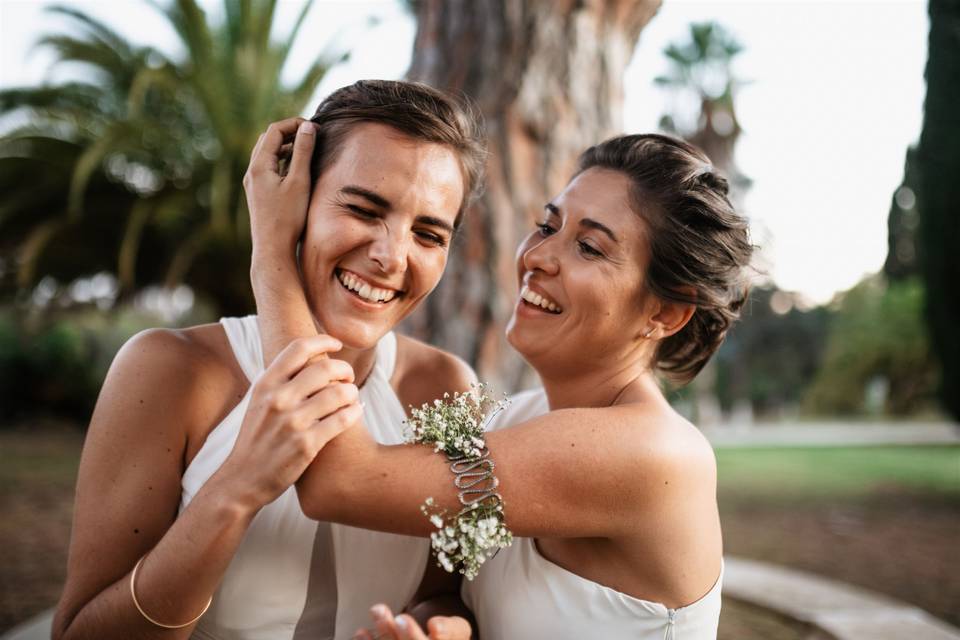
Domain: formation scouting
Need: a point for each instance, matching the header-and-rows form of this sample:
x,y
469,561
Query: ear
x,y
669,317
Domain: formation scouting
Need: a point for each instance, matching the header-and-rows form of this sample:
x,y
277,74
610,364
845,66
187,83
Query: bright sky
x,y
835,97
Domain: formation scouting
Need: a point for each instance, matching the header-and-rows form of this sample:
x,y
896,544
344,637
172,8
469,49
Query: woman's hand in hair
x,y
277,184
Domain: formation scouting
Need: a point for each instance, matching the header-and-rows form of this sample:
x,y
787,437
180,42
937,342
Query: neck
x,y
362,361
592,388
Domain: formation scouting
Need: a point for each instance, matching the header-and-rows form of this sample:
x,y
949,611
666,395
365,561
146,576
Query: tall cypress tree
x,y
939,196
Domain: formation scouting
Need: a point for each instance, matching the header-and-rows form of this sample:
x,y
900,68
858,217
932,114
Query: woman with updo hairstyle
x,y
697,240
636,272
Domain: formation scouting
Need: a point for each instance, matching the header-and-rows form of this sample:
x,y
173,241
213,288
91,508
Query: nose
x,y
389,250
540,256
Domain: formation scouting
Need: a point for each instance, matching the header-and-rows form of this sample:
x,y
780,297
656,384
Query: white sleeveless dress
x,y
293,578
519,594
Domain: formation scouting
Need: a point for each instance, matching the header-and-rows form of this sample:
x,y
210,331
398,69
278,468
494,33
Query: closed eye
x,y
588,250
362,212
432,238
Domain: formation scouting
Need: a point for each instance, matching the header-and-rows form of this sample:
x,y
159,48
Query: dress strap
x,y
244,337
386,356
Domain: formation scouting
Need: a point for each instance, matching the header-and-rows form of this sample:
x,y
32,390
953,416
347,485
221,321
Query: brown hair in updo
x,y
415,110
696,240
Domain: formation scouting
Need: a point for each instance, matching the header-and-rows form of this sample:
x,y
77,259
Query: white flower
x,y
455,426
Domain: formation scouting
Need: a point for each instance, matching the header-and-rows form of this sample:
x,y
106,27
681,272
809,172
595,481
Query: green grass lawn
x,y
839,512
820,472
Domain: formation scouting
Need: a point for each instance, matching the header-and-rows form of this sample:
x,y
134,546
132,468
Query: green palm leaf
x,y
154,142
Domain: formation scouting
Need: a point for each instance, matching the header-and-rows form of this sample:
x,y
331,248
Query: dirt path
x,y
898,543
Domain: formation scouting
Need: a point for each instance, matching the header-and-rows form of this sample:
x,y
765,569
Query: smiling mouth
x,y
364,290
538,301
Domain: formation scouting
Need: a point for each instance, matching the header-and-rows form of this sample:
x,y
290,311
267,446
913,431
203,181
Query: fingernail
x,y
378,611
402,622
438,626
307,127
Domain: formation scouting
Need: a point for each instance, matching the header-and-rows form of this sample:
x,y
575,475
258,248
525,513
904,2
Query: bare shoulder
x,y
189,374
424,373
648,450
192,353
668,448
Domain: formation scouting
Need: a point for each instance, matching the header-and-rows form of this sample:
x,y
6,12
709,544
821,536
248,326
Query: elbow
x,y
311,503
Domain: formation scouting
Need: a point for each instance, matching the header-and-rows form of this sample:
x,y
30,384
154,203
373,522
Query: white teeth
x,y
538,300
365,290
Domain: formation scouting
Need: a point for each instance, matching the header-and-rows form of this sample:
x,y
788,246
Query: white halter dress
x,y
521,594
293,578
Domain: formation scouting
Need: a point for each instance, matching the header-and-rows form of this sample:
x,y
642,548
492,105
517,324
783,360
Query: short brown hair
x,y
414,109
696,242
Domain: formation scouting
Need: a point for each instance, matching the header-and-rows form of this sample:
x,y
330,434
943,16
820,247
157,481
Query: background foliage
x,y
125,183
136,170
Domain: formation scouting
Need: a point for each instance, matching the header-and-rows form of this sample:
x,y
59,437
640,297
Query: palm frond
x,y
146,79
32,142
32,248
186,254
88,163
104,33
75,95
175,131
263,25
130,244
117,65
220,190
287,45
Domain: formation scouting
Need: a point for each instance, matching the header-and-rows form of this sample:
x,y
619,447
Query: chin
x,y
355,335
515,338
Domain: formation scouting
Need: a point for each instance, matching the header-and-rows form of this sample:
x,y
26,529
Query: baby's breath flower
x,y
456,426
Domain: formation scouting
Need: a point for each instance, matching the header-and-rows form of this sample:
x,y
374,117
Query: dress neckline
x,y
570,575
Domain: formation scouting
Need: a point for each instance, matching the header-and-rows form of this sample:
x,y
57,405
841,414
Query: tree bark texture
x,y
548,78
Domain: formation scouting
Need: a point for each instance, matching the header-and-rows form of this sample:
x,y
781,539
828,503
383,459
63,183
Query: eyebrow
x,y
372,196
584,222
378,200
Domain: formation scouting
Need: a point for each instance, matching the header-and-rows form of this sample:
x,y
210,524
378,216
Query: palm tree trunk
x,y
548,79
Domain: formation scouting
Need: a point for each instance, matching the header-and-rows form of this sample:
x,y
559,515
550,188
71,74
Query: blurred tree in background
x,y
133,174
771,355
703,86
548,78
938,196
878,347
902,260
136,170
700,71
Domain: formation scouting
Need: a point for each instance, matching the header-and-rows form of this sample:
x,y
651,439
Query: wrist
x,y
229,501
273,270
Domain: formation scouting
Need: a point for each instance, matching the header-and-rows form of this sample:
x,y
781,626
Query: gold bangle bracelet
x,y
133,594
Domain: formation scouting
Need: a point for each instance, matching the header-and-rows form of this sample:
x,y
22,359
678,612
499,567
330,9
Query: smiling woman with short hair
x,y
186,521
